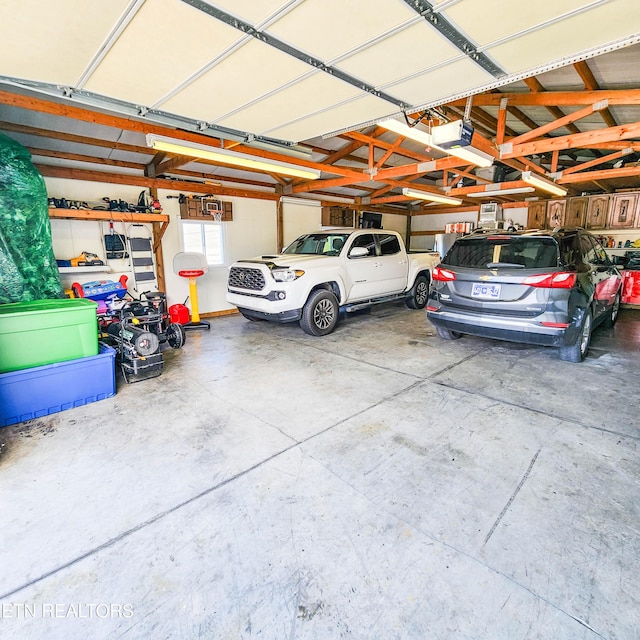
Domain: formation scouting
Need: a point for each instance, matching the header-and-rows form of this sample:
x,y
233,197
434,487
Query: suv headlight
x,y
286,275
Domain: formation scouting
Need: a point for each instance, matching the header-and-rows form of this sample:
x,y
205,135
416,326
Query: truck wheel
x,y
320,313
419,293
577,351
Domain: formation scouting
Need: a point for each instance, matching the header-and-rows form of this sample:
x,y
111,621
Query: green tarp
x,y
28,269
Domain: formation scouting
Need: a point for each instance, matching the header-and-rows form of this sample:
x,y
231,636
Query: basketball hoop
x,y
217,216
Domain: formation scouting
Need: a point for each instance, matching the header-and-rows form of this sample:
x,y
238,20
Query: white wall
x,y
438,221
298,219
252,232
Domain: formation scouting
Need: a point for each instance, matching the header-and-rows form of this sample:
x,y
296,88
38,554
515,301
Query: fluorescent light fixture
x,y
544,184
496,191
308,202
468,154
181,147
472,155
402,129
432,197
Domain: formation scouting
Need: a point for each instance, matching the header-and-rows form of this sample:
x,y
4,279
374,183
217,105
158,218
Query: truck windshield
x,y
328,244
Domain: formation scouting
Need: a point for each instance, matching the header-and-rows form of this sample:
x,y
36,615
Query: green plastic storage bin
x,y
47,331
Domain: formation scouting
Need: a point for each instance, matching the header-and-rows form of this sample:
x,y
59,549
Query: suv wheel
x,y
320,313
612,316
578,350
447,334
419,293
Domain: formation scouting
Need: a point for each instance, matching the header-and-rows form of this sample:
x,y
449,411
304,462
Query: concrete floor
x,y
379,483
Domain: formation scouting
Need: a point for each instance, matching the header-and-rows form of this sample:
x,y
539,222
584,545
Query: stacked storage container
x,y
50,359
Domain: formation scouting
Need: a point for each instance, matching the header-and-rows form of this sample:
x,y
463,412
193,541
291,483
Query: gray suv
x,y
538,287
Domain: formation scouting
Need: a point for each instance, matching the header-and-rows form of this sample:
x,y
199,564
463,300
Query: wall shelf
x,y
94,268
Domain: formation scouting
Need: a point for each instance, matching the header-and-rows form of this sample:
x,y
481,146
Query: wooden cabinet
x,y
537,214
337,217
622,214
196,208
597,211
576,214
556,211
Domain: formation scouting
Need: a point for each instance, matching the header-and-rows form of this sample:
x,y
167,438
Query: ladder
x,y
141,258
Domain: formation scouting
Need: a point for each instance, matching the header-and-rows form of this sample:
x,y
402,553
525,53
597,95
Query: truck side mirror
x,y
358,252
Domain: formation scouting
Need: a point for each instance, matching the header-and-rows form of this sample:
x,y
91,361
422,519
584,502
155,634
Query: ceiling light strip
x,y
128,15
416,194
265,38
543,184
195,150
444,27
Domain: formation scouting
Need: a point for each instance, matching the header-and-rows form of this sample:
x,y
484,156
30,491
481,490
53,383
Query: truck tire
x,y
320,313
577,351
419,293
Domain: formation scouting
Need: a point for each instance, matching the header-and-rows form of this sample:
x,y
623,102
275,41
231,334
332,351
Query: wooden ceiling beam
x,y
536,87
556,98
365,139
603,174
587,138
69,137
77,157
144,127
590,83
592,163
560,122
158,183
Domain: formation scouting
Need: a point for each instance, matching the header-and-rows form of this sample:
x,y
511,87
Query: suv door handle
x,y
377,264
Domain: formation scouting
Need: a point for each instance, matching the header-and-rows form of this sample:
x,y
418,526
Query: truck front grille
x,y
244,278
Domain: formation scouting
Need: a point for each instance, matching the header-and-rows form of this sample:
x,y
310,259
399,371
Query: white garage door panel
x,y
317,92
254,12
440,83
486,21
344,116
327,29
37,44
143,65
382,63
225,89
588,30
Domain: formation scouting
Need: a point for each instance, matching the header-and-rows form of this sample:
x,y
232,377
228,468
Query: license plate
x,y
482,290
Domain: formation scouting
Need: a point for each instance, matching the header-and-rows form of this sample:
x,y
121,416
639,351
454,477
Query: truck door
x,y
393,264
365,271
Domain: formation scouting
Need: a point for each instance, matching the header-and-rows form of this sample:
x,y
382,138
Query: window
x,y
389,245
204,237
367,241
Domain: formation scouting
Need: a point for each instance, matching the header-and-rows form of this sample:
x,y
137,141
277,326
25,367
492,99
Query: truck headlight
x,y
286,275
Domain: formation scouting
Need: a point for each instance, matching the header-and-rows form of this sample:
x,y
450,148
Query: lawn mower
x,y
138,330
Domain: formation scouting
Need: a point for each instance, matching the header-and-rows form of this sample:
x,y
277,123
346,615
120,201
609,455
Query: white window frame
x,y
203,248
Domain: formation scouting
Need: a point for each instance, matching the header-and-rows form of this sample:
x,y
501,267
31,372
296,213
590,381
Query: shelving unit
x,y
159,221
93,269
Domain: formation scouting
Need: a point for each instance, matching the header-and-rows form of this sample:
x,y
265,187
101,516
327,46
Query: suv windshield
x,y
328,244
490,252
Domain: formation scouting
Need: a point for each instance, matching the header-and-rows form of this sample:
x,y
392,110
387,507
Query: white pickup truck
x,y
320,273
